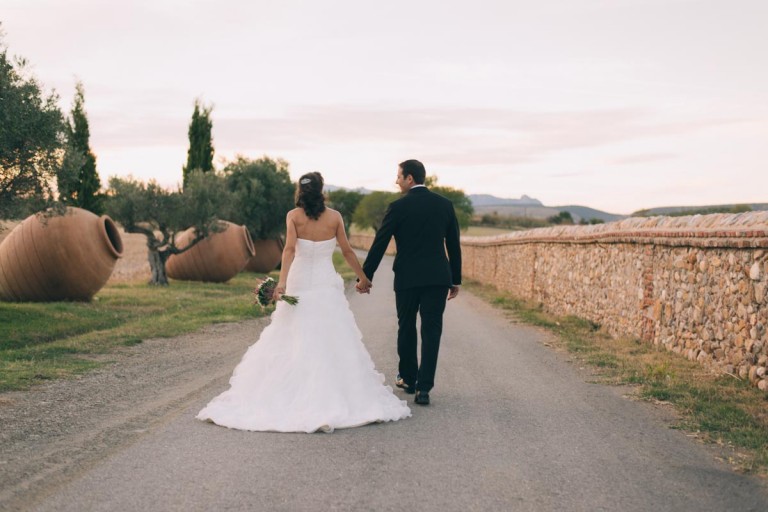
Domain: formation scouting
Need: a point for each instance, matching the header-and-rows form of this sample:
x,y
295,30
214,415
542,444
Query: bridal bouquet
x,y
265,294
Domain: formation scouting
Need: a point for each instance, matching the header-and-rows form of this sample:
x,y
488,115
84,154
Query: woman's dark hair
x,y
309,194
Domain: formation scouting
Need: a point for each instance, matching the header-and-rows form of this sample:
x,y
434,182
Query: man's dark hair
x,y
414,168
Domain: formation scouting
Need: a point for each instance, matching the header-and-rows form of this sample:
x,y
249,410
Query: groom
x,y
424,225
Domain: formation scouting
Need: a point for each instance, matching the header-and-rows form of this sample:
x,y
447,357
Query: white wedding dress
x,y
309,370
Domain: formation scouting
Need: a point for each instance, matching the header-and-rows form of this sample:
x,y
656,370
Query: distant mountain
x,y
671,210
587,213
489,200
333,188
511,210
530,207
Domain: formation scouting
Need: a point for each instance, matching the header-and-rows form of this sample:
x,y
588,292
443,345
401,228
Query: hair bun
x,y
309,194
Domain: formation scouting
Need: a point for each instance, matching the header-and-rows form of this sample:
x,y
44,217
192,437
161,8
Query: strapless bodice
x,y
311,249
312,267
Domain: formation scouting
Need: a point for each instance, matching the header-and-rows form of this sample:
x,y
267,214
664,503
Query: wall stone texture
x,y
696,285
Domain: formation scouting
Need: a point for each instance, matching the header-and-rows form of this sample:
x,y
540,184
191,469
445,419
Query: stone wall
x,y
694,285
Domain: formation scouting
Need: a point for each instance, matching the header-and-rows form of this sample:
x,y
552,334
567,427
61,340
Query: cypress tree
x,y
83,191
200,153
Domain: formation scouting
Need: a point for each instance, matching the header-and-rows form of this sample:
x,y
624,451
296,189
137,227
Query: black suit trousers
x,y
429,302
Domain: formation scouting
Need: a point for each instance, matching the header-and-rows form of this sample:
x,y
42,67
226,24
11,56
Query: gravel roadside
x,y
54,432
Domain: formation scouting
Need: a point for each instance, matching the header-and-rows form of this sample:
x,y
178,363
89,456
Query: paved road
x,y
513,426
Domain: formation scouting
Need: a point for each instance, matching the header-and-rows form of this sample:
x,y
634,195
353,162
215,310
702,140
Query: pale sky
x,y
614,104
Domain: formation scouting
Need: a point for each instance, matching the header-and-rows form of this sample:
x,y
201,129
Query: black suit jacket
x,y
424,225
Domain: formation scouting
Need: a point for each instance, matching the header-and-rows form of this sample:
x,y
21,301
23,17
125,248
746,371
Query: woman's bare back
x,y
324,228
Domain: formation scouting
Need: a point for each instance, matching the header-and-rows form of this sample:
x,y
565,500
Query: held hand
x,y
279,292
453,292
364,285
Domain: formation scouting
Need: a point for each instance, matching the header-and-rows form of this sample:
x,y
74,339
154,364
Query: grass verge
x,y
715,408
42,341
343,268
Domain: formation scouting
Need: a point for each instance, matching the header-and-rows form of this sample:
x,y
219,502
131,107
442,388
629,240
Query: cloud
x,y
455,135
489,136
642,158
574,174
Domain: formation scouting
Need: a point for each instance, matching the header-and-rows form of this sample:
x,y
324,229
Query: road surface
x,y
512,426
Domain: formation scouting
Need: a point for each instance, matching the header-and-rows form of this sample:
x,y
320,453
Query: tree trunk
x,y
157,261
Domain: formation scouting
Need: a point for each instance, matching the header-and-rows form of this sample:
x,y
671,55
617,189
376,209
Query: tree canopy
x,y
370,212
461,203
345,202
31,135
262,194
561,218
371,209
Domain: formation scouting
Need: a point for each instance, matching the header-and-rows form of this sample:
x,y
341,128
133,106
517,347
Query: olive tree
x,y
346,202
160,214
261,194
461,203
370,212
31,137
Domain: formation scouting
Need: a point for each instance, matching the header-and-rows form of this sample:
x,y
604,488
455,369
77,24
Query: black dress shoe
x,y
399,382
422,398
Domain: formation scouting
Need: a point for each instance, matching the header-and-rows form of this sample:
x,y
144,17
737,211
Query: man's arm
x,y
453,246
380,242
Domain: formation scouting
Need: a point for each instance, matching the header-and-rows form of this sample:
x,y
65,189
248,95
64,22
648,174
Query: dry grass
x,y
134,265
484,231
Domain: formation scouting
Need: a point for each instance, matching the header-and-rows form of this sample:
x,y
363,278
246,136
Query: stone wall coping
x,y
741,230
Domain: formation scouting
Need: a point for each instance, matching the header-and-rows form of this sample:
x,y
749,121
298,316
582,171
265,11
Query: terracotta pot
x,y
63,257
268,254
216,259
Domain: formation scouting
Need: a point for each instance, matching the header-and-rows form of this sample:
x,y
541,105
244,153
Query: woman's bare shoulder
x,y
334,216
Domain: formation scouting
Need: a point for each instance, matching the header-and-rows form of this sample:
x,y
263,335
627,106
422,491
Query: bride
x,y
309,370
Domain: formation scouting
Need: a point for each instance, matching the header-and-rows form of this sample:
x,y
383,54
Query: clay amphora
x,y
217,259
50,257
268,254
